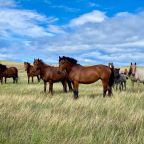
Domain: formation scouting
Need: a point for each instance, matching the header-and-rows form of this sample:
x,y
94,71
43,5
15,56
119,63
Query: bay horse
x,y
30,72
136,74
50,74
8,73
87,74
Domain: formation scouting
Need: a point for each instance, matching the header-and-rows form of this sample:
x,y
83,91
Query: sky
x,y
91,31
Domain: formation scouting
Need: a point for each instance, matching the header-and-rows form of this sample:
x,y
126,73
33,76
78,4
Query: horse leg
x,y
125,84
5,80
120,86
32,79
51,87
75,89
38,78
16,79
45,84
69,85
64,83
2,80
28,79
13,79
105,87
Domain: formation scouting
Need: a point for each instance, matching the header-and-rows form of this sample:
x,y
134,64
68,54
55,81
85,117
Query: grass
x,y
28,116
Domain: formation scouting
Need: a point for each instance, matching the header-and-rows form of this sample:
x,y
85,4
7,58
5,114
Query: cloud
x,y
65,8
55,29
92,17
23,23
92,4
92,38
7,3
117,39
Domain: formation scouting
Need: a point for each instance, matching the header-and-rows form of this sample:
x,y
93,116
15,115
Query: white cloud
x,y
23,23
92,17
117,39
55,29
7,3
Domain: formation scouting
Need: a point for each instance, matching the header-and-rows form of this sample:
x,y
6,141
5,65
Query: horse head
x,y
2,67
132,69
66,62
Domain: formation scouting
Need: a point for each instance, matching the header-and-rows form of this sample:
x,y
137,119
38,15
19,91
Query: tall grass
x,y
28,116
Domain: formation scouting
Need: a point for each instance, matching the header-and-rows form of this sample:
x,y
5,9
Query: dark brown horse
x,y
87,74
8,73
50,74
30,72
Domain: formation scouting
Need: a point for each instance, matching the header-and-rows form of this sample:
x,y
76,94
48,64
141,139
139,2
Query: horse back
x,y
89,74
11,71
52,73
139,75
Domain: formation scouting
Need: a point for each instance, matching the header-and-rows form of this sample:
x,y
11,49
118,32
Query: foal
x,y
30,72
50,74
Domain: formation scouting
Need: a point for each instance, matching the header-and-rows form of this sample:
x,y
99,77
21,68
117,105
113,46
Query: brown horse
x,y
8,73
87,74
30,72
50,74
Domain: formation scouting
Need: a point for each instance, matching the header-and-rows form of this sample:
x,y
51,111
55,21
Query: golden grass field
x,y
28,116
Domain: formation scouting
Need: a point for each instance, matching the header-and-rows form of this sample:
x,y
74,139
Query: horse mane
x,y
71,60
27,63
42,62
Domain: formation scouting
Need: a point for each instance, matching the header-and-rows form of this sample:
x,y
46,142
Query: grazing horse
x,y
30,72
136,74
50,74
8,73
87,74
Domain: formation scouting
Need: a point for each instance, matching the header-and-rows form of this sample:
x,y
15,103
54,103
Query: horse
x,y
8,73
79,74
136,74
120,79
30,72
50,74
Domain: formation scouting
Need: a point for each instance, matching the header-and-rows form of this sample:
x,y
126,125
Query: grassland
x,y
28,116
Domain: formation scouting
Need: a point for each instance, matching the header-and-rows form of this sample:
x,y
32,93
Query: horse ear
x,y
135,63
131,63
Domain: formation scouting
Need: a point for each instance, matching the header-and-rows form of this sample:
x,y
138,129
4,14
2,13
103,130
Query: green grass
x,y
28,116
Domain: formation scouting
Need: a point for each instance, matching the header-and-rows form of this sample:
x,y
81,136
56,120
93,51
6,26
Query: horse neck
x,y
43,65
29,67
69,67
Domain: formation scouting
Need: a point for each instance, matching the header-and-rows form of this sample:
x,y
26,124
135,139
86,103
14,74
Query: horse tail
x,y
111,78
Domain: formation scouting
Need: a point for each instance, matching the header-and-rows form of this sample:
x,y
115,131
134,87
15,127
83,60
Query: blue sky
x,y
93,32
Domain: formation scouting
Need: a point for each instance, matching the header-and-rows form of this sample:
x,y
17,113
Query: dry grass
x,y
28,116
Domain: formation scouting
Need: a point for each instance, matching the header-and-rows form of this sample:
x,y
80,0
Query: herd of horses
x,y
71,74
